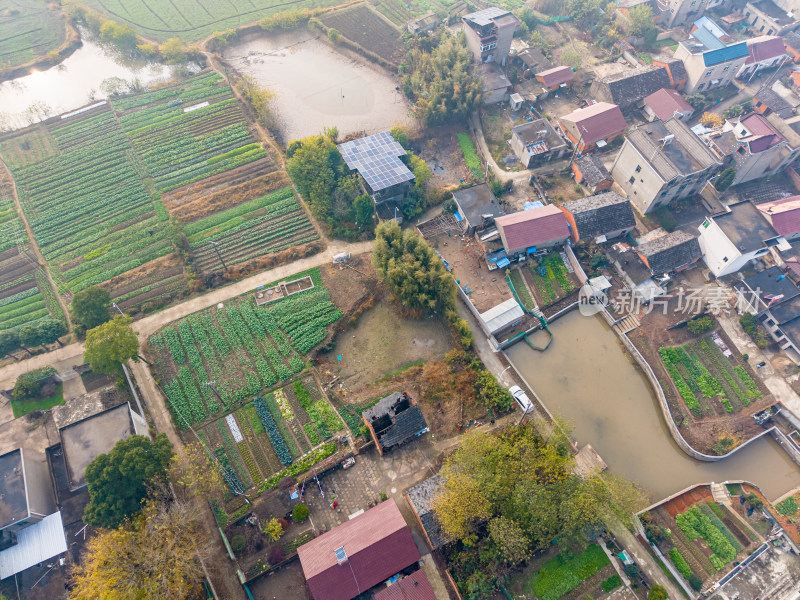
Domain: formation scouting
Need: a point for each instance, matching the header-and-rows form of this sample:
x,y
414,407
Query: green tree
x,y
700,324
641,18
299,513
30,336
513,546
697,101
52,329
400,133
174,51
111,344
491,394
412,271
273,529
315,165
657,592
725,179
334,35
25,389
439,78
89,308
119,34
363,209
259,98
571,58
588,15
117,482
9,341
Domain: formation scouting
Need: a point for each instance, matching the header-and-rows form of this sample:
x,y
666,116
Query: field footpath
x,y
35,246
152,323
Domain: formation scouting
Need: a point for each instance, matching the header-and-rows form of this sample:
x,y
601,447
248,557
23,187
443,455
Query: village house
x,y
791,41
665,104
628,88
495,83
661,162
477,207
670,253
766,17
775,300
768,101
359,554
527,231
595,125
678,12
757,146
555,78
530,61
377,159
26,495
601,217
784,216
424,24
764,52
710,56
489,33
590,171
536,143
731,240
394,420
676,71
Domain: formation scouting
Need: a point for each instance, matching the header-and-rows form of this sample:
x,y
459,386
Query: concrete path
x,y
150,324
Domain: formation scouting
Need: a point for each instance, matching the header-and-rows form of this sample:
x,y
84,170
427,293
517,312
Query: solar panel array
x,y
376,158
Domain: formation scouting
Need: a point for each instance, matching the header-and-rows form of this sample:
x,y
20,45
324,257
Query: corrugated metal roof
x,y
708,39
715,57
710,25
35,544
486,16
503,314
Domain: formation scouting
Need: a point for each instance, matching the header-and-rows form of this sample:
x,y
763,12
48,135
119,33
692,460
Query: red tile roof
x,y
413,587
598,121
533,227
764,47
666,102
785,214
555,76
758,125
378,544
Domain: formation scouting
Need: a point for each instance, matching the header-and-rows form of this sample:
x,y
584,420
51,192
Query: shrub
x,y
695,582
299,513
700,324
680,563
276,556
238,543
657,592
611,583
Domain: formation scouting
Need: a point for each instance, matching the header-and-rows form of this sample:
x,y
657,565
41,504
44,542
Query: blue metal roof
x,y
714,57
503,262
534,204
711,25
708,39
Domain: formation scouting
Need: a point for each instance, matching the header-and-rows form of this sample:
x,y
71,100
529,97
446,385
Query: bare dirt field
x,y
318,86
438,146
363,26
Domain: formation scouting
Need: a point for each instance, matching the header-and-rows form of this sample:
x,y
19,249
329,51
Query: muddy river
x,y
586,377
91,73
317,87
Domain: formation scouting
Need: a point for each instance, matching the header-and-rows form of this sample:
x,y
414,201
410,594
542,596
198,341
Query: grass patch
x,y
399,371
666,219
470,156
562,574
28,406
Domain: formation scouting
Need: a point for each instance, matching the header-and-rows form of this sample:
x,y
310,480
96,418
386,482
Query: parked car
x,y
521,398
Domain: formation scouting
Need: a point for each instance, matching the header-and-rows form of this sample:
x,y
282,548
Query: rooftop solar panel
x,y
376,158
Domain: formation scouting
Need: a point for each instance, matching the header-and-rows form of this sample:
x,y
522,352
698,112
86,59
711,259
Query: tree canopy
x,y
412,271
438,76
90,308
111,344
508,494
117,482
156,556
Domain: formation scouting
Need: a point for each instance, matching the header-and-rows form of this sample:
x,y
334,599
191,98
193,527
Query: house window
x,y
725,259
709,72
638,168
741,150
632,179
726,68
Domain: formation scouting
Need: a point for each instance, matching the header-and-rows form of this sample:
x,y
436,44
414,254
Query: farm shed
x,y
420,498
394,420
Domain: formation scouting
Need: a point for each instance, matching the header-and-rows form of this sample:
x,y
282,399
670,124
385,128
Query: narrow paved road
x,y
152,323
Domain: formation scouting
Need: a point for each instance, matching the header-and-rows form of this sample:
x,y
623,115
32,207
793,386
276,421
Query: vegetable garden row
x,y
243,348
707,380
25,293
28,30
270,436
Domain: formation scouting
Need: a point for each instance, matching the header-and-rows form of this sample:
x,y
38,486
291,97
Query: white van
x,y
521,398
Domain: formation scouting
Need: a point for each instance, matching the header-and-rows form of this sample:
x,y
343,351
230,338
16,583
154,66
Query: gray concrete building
x,y
662,161
536,143
489,33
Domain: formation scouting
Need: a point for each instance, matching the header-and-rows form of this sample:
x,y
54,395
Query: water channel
x,y
88,75
586,377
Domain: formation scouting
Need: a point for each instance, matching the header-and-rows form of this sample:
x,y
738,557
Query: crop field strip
x,y
30,31
193,20
83,183
243,348
361,25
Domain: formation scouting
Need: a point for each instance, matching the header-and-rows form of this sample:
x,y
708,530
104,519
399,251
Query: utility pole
x,y
114,304
210,384
224,266
577,146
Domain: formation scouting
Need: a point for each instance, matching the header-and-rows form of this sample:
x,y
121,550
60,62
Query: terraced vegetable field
x,y
243,348
709,382
192,20
398,11
28,30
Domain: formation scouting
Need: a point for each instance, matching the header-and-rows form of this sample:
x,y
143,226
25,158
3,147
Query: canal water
x,y
91,73
586,377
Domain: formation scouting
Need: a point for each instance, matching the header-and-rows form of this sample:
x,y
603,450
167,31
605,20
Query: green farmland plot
x,y
193,20
28,30
243,348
